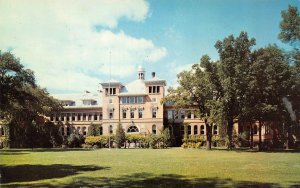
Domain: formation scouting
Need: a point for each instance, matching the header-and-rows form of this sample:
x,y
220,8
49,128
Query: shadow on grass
x,y
43,150
26,173
166,180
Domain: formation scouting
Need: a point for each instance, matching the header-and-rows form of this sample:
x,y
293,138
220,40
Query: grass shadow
x,y
165,180
43,150
27,173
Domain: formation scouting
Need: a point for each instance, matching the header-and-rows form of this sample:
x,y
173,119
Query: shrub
x,y
184,145
75,141
198,145
120,137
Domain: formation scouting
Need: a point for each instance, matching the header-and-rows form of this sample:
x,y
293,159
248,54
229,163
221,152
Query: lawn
x,y
174,167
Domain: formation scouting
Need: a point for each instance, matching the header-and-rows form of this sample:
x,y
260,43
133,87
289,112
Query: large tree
x,y
235,60
21,100
196,92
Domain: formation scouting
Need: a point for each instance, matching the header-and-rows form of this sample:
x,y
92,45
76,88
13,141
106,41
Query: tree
x,y
120,137
21,100
196,91
270,83
290,26
93,130
234,65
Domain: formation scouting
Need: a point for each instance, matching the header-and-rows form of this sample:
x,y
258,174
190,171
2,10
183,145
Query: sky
x,y
73,45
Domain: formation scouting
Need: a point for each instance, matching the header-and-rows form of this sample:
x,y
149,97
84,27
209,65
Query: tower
x,y
141,73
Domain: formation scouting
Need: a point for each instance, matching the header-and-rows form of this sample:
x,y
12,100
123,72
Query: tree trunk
x,y
287,138
229,133
251,135
259,137
208,136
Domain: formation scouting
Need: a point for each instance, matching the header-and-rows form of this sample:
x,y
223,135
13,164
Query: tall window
x,y
124,100
79,117
84,117
195,129
90,117
132,113
68,131
68,117
101,130
95,117
111,113
140,113
153,129
73,117
84,130
202,129
215,130
153,99
131,99
124,113
182,114
111,129
189,129
154,111
189,114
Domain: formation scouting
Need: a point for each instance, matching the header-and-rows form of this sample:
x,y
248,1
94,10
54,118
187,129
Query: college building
x,y
137,107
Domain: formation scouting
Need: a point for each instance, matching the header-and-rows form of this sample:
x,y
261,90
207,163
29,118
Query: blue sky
x,y
69,49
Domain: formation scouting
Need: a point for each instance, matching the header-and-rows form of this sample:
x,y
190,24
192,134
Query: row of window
x,y
182,114
202,130
83,130
154,89
132,100
140,113
76,117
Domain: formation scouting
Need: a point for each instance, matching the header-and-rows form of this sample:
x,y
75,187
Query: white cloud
x,y
58,41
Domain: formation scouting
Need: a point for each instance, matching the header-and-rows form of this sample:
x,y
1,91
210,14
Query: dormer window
x,y
154,89
110,91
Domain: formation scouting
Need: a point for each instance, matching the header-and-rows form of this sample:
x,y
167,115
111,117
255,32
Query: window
x,y
56,118
131,99
154,111
51,117
255,129
124,113
215,130
95,117
101,130
153,99
110,101
73,117
182,114
189,129
132,113
175,114
140,113
89,117
170,114
132,129
78,117
84,130
202,129
84,117
68,117
111,113
2,131
68,131
110,91
78,130
111,129
189,114
153,129
140,99
124,100
154,89
195,129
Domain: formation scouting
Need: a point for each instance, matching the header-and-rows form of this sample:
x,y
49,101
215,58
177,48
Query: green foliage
x,y
75,140
120,137
93,130
100,141
290,26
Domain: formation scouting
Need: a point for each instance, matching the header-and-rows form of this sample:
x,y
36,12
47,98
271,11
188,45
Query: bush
x,y
75,141
120,137
198,145
184,145
100,141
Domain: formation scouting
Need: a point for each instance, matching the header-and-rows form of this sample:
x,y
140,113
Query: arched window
x,y
202,130
154,129
255,129
101,130
68,131
215,130
78,130
132,129
195,129
189,129
111,129
84,130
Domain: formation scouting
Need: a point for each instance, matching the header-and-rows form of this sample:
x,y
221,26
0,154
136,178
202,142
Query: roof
x,y
78,98
136,87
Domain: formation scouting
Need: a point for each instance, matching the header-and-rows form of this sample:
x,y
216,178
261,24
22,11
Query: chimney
x,y
153,74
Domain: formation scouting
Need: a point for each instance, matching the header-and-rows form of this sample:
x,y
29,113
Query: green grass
x,y
174,167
